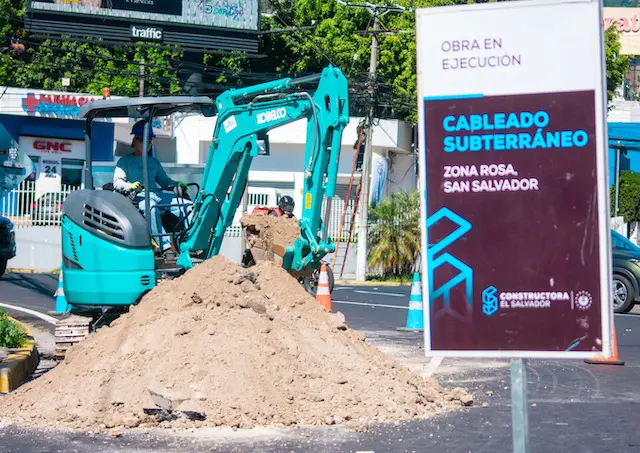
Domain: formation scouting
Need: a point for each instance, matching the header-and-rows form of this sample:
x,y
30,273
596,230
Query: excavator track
x,y
70,331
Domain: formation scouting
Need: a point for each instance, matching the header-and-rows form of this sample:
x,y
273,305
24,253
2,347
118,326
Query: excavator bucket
x,y
269,236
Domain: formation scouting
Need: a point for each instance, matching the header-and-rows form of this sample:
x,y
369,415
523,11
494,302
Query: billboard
x,y
194,25
242,14
627,21
513,175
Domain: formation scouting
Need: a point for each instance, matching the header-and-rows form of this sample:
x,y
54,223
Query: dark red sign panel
x,y
512,223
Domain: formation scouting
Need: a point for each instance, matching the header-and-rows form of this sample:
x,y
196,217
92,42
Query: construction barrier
x,y
415,317
61,301
323,295
613,360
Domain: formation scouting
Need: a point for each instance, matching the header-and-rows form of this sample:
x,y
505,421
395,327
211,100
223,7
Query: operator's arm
x,y
162,178
120,181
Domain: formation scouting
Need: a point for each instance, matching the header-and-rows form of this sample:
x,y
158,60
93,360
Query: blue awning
x,y
627,133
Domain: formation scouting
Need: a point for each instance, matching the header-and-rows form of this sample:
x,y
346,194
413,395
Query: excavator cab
x,y
108,258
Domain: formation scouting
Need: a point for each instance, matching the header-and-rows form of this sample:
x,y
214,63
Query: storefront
x,y
46,126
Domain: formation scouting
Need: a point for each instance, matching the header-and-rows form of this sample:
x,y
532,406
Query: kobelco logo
x,y
271,115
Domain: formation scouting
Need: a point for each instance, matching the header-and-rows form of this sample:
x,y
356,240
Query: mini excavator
x,y
109,262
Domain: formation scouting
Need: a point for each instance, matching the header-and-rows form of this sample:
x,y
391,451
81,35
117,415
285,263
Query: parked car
x,y
7,243
47,210
626,273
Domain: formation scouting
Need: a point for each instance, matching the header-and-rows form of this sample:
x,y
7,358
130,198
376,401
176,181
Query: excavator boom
x,y
245,116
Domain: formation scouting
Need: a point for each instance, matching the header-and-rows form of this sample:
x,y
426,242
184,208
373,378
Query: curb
x,y
354,283
20,364
18,270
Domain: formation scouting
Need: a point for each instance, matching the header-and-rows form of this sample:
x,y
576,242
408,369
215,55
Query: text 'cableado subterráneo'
x,y
508,132
477,54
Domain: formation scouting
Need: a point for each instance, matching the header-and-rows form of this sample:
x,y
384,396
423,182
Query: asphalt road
x,y
31,291
572,406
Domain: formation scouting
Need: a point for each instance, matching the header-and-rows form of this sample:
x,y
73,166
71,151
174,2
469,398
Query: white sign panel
x,y
49,175
515,206
45,146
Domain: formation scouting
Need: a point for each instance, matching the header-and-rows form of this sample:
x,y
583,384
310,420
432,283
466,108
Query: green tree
x,y
617,65
394,238
89,65
336,38
629,197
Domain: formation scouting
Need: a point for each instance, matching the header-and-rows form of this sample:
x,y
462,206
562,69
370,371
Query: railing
x,y
334,222
25,207
258,199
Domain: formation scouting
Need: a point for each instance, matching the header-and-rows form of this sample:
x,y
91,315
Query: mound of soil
x,y
244,347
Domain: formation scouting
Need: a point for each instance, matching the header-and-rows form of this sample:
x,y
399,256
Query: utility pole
x,y
363,234
141,78
376,11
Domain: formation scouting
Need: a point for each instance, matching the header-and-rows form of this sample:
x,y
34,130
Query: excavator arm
x,y
245,116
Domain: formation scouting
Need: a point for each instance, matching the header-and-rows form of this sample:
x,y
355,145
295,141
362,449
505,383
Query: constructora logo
x,y
489,300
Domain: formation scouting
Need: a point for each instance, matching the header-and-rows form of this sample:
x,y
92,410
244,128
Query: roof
x,y
134,107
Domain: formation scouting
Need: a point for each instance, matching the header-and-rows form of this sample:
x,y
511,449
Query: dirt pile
x,y
246,347
271,233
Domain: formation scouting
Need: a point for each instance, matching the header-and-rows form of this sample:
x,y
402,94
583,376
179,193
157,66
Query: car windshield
x,y
618,241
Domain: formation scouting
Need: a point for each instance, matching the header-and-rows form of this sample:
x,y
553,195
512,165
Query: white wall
x,y
37,248
402,173
391,139
387,135
624,111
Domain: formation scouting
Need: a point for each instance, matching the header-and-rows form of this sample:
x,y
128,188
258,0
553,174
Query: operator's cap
x,y
138,130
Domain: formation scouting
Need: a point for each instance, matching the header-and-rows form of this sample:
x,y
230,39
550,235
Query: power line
x,y
376,12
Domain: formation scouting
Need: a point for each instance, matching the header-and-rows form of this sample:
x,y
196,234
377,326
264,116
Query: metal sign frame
x,y
456,90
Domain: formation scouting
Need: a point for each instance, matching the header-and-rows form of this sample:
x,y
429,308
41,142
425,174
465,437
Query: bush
x,y
12,335
394,237
629,201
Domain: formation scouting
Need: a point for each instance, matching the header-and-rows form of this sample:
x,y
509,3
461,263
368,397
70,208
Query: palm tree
x,y
394,239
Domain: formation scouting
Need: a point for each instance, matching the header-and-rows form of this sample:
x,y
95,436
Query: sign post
x,y
519,406
514,190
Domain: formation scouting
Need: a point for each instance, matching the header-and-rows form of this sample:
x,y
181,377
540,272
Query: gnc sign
x,y
52,146
49,147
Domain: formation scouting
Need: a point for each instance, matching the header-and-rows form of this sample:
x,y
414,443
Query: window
x,y
71,176
72,172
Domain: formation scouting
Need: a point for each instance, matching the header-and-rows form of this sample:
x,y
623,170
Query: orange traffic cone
x,y
613,360
323,295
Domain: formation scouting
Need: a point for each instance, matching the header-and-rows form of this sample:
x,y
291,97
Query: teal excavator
x,y
109,261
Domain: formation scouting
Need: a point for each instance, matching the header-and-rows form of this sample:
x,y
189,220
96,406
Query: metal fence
x,y
25,207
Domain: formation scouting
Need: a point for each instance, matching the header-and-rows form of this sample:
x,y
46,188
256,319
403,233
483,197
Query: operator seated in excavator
x,y
127,179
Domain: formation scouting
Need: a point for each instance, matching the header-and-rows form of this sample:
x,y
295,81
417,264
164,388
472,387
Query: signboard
x,y
513,174
379,170
242,14
191,25
54,105
49,175
47,147
627,21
